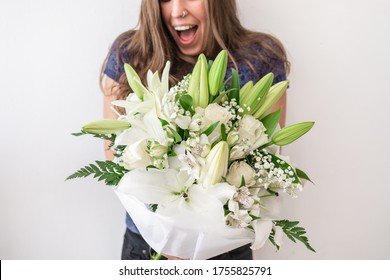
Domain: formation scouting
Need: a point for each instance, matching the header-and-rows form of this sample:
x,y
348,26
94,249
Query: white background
x,y
51,52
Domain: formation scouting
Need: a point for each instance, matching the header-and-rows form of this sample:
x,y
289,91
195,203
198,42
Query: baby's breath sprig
x,y
273,173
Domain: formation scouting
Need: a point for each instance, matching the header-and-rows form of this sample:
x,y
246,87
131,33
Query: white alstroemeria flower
x,y
190,164
239,169
199,146
182,121
243,196
252,132
136,156
237,217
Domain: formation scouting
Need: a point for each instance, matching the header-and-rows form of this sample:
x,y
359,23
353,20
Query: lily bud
x,y
217,72
291,133
134,81
204,85
244,91
194,85
216,164
274,94
106,126
255,96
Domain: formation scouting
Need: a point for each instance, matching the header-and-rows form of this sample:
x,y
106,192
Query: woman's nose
x,y
178,6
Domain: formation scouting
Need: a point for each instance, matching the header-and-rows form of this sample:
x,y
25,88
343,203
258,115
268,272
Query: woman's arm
x,y
108,96
281,104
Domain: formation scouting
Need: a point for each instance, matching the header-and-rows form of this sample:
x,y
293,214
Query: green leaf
x,y
211,128
176,135
271,238
294,233
108,171
186,102
150,167
271,121
235,87
163,122
242,181
219,98
303,175
223,132
79,133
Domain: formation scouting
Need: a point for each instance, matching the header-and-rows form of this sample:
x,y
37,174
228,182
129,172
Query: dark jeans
x,y
135,248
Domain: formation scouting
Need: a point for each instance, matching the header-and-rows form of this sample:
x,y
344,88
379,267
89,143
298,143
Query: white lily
x,y
268,210
176,195
147,127
136,156
262,229
134,105
159,88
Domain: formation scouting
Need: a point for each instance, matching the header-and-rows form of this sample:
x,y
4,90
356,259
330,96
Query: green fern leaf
x,y
293,232
109,172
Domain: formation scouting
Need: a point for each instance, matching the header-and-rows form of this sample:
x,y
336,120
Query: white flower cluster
x,y
171,105
274,174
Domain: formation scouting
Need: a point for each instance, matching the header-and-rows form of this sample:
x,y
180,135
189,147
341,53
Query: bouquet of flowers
x,y
197,165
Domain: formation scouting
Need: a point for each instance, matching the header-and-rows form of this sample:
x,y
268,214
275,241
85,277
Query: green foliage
x,y
176,135
280,163
223,132
293,232
303,175
108,171
186,102
110,137
211,128
271,121
235,86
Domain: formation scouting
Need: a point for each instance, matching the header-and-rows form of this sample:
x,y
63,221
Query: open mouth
x,y
186,33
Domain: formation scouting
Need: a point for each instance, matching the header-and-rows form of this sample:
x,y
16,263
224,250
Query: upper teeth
x,y
182,28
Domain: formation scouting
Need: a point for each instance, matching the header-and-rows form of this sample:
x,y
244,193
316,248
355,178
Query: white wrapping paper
x,y
184,234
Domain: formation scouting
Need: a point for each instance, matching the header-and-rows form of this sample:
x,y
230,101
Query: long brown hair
x,y
150,45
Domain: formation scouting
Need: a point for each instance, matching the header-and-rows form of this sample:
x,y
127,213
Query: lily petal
x,y
262,231
153,186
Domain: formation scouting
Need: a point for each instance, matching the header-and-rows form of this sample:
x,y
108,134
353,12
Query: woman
x,y
178,31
